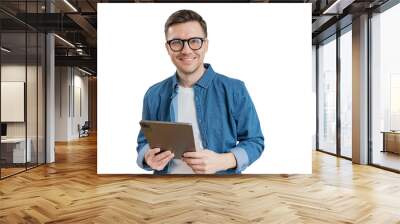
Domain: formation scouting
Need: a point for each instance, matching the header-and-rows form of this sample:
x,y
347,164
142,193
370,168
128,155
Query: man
x,y
225,124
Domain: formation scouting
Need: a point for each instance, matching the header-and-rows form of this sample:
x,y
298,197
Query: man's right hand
x,y
159,161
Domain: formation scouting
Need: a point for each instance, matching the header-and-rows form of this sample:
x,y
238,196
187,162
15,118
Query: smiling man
x,y
225,124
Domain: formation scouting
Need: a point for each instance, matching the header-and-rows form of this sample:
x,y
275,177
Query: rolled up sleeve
x,y
242,160
140,159
249,134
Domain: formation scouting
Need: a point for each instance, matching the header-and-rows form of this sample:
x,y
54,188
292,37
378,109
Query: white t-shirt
x,y
186,112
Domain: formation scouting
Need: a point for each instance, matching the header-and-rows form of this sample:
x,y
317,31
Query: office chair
x,y
84,130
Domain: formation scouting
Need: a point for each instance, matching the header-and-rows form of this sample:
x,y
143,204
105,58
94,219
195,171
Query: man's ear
x,y
206,43
167,48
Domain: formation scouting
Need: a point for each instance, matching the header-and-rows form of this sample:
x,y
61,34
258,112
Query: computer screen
x,y
3,129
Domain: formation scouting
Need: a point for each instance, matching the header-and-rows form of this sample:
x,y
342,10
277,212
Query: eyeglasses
x,y
195,43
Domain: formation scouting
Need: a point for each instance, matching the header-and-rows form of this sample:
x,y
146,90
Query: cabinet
x,y
391,141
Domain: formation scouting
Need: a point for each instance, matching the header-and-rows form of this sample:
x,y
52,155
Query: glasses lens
x,y
176,45
195,43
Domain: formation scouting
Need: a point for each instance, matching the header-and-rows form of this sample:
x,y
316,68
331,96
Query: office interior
x,y
49,94
47,81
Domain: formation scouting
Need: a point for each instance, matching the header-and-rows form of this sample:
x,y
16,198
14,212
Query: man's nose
x,y
186,48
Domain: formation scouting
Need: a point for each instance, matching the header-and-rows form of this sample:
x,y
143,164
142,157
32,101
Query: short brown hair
x,y
183,16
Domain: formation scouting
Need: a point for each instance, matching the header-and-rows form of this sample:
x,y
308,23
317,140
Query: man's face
x,y
187,60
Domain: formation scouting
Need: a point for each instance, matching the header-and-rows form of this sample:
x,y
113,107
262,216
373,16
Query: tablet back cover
x,y
174,136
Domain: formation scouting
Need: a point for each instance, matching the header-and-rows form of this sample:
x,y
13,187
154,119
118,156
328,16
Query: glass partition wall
x,y
13,109
22,77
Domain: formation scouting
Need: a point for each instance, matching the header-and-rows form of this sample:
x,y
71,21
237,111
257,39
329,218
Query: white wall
x,y
70,83
14,73
33,127
80,118
17,73
61,103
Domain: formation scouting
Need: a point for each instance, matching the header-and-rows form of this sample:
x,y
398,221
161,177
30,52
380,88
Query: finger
x,y
160,164
191,161
199,171
193,154
153,151
164,161
198,168
149,155
162,155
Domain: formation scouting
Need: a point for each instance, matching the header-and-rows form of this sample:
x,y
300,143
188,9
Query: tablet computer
x,y
176,137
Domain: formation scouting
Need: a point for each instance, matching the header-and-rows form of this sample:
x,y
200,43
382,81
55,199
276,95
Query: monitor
x,y
3,129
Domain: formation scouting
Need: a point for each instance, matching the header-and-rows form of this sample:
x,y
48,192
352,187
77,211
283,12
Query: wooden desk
x,y
13,150
391,141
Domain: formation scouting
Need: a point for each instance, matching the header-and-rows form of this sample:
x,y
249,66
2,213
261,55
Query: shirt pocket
x,y
222,129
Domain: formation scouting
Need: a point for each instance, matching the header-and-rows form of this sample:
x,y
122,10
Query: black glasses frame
x,y
188,42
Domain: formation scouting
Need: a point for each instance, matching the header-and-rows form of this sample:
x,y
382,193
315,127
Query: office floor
x,y
387,159
70,191
10,170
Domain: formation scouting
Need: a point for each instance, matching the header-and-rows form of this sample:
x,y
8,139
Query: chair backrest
x,y
86,125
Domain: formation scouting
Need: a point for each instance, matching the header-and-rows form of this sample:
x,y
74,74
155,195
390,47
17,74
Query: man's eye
x,y
195,41
176,42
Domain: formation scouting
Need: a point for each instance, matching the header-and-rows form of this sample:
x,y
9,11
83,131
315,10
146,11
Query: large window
x,y
334,138
327,96
385,88
346,93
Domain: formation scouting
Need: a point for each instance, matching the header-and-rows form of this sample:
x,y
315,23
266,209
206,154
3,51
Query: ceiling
x,y
76,22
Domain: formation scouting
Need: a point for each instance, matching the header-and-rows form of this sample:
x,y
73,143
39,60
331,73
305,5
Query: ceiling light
x,y
84,71
338,6
64,40
79,51
70,5
5,50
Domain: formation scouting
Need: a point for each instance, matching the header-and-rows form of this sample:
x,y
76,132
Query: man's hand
x,y
157,162
208,162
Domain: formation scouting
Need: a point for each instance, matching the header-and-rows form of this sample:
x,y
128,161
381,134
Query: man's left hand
x,y
208,162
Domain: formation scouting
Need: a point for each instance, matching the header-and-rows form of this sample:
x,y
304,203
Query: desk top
x,y
13,140
391,132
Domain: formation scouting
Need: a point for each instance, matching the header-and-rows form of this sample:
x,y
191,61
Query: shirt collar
x,y
204,81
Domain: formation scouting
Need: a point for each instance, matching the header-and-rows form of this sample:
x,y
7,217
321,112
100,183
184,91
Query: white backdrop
x,y
268,46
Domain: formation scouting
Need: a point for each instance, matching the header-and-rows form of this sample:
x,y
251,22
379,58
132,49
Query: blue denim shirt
x,y
226,116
